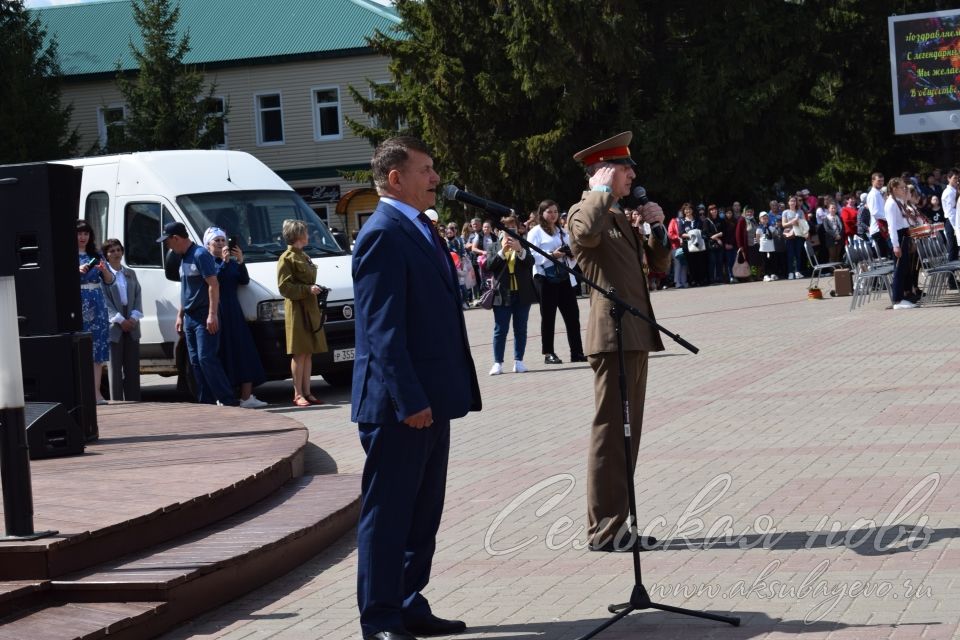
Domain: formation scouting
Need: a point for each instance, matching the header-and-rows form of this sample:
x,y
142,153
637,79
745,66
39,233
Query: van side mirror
x,y
171,265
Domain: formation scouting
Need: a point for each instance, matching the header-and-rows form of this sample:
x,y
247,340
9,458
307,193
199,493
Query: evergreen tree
x,y
33,126
166,107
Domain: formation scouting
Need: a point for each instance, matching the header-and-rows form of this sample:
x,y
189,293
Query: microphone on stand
x,y
451,192
640,197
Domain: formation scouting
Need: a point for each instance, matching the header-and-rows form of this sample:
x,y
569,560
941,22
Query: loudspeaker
x,y
51,431
59,368
39,206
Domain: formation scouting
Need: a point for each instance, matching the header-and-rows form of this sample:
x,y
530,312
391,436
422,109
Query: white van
x,y
132,196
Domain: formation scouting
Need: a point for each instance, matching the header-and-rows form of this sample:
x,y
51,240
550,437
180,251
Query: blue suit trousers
x,y
404,481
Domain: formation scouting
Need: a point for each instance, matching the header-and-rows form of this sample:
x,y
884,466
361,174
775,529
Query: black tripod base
x,y
640,600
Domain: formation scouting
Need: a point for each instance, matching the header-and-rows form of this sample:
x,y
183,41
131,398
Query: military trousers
x,y
607,499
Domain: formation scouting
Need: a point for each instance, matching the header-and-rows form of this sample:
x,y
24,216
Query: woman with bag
x,y
745,239
513,294
694,246
556,289
297,281
676,247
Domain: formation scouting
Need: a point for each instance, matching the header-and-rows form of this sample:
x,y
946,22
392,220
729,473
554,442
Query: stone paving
x,y
801,471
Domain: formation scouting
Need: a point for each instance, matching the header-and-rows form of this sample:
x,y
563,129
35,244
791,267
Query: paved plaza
x,y
800,471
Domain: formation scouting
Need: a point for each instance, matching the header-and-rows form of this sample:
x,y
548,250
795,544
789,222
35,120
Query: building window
x,y
110,123
269,118
215,108
326,114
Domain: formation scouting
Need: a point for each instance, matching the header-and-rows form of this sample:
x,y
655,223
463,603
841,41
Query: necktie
x,y
437,243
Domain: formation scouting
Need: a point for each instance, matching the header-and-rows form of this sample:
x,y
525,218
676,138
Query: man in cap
x,y
611,253
198,317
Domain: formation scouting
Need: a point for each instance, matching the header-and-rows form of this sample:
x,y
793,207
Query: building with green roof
x,y
283,67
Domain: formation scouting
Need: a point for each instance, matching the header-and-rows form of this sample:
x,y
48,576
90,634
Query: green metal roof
x,y
93,36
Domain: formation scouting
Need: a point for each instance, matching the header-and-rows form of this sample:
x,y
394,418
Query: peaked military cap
x,y
615,150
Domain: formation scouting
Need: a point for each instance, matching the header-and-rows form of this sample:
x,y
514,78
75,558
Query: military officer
x,y
612,253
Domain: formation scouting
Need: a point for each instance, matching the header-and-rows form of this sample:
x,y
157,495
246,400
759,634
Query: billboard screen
x,y
925,71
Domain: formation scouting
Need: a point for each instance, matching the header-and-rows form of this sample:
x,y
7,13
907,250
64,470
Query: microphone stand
x,y
639,598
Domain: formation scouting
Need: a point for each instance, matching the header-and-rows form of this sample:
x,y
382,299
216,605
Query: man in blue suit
x,y
413,374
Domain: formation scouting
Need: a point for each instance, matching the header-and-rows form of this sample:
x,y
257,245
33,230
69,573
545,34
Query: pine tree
x,y
166,107
33,125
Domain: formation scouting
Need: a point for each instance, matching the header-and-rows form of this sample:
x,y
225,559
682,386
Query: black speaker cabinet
x,y
39,205
51,431
59,368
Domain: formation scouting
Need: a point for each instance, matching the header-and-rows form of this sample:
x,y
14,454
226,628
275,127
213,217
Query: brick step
x,y
21,594
213,565
81,621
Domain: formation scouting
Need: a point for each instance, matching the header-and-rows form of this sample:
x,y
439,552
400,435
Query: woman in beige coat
x,y
296,278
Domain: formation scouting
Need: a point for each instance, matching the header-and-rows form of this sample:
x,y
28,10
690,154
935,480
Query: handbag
x,y
741,268
695,241
486,298
553,275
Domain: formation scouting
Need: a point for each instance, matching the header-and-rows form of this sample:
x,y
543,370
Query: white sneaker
x,y
766,278
904,304
496,369
733,280
798,276
790,276
519,367
253,402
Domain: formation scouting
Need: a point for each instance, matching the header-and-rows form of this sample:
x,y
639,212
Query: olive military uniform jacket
x,y
302,317
610,252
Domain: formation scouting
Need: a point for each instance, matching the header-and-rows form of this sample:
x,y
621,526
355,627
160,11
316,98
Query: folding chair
x,y
869,277
817,266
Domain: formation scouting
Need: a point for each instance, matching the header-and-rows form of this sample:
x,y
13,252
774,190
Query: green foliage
x,y
166,107
33,126
724,99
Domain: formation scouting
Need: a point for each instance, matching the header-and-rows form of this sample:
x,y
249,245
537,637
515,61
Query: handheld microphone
x,y
640,196
451,192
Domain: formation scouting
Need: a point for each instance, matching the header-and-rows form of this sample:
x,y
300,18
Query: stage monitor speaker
x,y
59,368
39,205
51,431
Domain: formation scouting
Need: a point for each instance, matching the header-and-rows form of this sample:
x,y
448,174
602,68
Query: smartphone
x,y
94,261
231,243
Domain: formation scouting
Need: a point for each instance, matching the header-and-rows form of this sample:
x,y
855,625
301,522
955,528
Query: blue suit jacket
x,y
411,340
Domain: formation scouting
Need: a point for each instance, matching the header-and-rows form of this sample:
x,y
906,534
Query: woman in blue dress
x,y
237,350
93,271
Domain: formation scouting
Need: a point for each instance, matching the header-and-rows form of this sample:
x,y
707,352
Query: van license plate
x,y
344,355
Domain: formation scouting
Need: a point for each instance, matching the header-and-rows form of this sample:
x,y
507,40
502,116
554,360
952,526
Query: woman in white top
x,y
791,220
556,289
125,309
894,210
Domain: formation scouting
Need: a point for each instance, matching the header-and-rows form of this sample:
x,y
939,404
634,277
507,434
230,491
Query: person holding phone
x,y
512,269
93,272
238,353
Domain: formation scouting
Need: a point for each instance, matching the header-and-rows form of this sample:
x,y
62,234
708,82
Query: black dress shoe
x,y
647,543
578,358
552,358
434,626
390,635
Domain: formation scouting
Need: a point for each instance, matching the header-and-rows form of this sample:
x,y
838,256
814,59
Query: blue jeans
x,y
501,324
795,254
212,382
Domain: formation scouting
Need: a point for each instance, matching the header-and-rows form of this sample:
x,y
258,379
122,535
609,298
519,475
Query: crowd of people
x,y
715,244
223,357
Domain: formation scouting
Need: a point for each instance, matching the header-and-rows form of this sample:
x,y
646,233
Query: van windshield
x,y
255,220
